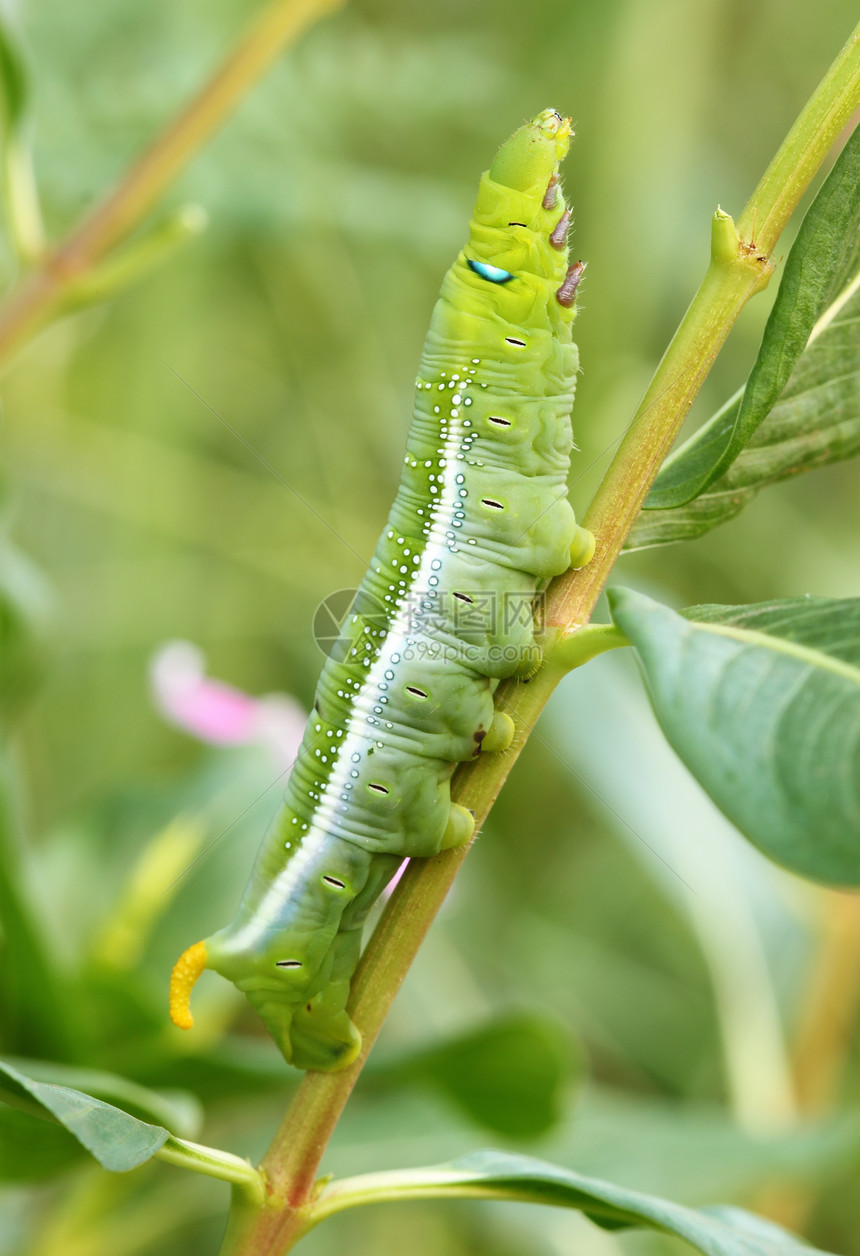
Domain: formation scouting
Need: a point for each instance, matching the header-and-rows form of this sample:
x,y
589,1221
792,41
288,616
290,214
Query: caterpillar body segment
x,y
480,523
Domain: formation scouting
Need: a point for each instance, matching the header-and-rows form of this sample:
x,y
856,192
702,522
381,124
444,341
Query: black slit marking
x,y
378,789
516,224
288,963
488,501
499,422
464,597
416,693
512,340
338,885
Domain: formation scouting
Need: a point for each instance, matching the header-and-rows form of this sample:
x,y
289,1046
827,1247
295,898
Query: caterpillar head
x,y
516,259
530,158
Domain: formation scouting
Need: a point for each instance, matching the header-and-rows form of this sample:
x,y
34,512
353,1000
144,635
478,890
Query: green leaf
x,y
497,1175
823,260
34,1150
179,1110
25,604
815,422
696,1151
511,1076
14,76
22,197
691,1151
762,703
118,1140
38,1011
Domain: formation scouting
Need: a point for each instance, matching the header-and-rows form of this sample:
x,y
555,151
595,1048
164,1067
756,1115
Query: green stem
x,y
132,262
582,643
23,209
428,1183
737,270
804,149
40,293
248,1181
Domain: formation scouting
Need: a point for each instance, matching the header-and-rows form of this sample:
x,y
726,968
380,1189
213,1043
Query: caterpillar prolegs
x,y
481,520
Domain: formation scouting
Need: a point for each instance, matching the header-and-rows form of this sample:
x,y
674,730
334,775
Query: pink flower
x,y
218,713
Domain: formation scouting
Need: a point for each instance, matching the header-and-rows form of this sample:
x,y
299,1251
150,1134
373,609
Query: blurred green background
x,y
637,973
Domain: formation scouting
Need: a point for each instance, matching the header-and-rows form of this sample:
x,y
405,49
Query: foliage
x,y
799,408
717,1231
762,702
615,977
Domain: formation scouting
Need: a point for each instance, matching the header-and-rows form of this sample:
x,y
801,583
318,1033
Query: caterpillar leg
x,y
531,663
500,733
582,548
186,970
461,826
322,1036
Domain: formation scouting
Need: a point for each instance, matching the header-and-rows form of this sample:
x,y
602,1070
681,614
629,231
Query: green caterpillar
x,y
480,521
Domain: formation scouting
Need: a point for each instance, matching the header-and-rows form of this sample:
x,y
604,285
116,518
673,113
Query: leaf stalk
x,y
40,294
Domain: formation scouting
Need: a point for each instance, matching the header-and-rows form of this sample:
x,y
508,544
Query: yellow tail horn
x,y
186,970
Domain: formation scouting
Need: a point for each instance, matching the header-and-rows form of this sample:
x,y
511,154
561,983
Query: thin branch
x,y
804,149
218,1164
823,1040
40,292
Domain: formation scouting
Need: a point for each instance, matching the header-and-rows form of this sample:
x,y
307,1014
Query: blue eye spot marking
x,y
494,274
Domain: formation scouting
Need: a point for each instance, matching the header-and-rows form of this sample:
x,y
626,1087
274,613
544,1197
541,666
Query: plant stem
x,y
738,269
431,1183
735,274
825,1028
823,1039
218,1164
129,263
804,149
38,295
578,645
23,210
